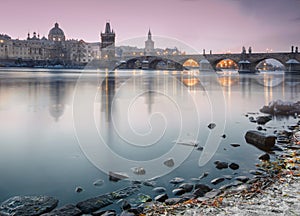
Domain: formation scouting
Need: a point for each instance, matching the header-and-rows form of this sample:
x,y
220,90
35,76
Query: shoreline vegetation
x,y
273,189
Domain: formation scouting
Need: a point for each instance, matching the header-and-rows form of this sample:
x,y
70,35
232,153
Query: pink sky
x,y
220,25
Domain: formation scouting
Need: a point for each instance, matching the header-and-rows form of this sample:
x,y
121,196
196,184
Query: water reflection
x,y
38,108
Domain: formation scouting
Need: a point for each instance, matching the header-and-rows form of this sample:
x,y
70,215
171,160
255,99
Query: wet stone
x,y
28,205
69,209
255,172
176,180
259,128
264,157
194,179
234,166
98,183
94,204
159,190
169,162
243,179
125,205
211,126
178,191
263,119
217,180
187,187
78,189
205,188
235,145
222,165
203,175
161,197
199,192
228,177
149,183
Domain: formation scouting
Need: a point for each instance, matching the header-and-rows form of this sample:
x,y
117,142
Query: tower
x,y
149,44
108,42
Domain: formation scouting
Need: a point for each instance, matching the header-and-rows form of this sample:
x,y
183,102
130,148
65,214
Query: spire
x,y
107,28
149,34
56,25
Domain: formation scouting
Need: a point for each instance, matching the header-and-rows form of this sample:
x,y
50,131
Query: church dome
x,y
56,33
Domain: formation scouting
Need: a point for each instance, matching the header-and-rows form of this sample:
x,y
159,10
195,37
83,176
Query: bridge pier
x,y
246,67
292,66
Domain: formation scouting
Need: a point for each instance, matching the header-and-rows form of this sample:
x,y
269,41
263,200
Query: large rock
x,y
260,140
68,209
27,205
280,107
95,203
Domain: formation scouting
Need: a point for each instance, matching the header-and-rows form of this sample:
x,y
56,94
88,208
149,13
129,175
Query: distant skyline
x,y
218,25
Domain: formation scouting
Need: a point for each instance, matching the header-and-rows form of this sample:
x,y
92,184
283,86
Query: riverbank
x,y
277,194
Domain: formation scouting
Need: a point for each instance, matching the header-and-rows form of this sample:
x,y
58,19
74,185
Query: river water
x,y
64,129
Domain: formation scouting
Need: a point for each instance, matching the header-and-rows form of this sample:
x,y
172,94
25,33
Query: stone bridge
x,y
248,61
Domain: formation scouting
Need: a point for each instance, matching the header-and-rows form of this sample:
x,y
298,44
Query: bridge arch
x,y
191,63
269,64
150,62
226,63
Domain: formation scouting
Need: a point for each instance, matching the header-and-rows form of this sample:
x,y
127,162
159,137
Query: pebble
x,y
222,165
176,180
234,166
235,145
211,126
217,180
161,197
98,183
159,189
78,189
243,179
264,157
169,162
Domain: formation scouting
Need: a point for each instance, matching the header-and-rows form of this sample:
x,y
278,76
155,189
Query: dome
x,y
56,33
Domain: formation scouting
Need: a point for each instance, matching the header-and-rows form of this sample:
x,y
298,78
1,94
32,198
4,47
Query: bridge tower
x,y
149,45
108,42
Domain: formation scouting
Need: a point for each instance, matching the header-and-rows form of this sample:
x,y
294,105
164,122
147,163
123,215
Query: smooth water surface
x,y
59,127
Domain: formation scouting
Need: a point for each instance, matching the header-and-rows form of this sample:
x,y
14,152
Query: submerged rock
x,y
159,189
117,176
169,162
138,170
28,205
203,175
98,182
176,180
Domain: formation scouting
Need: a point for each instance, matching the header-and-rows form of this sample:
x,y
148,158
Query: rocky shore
x,y
273,188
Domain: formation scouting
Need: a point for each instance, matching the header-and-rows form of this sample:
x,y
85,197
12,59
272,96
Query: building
x,y
149,45
108,42
56,49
